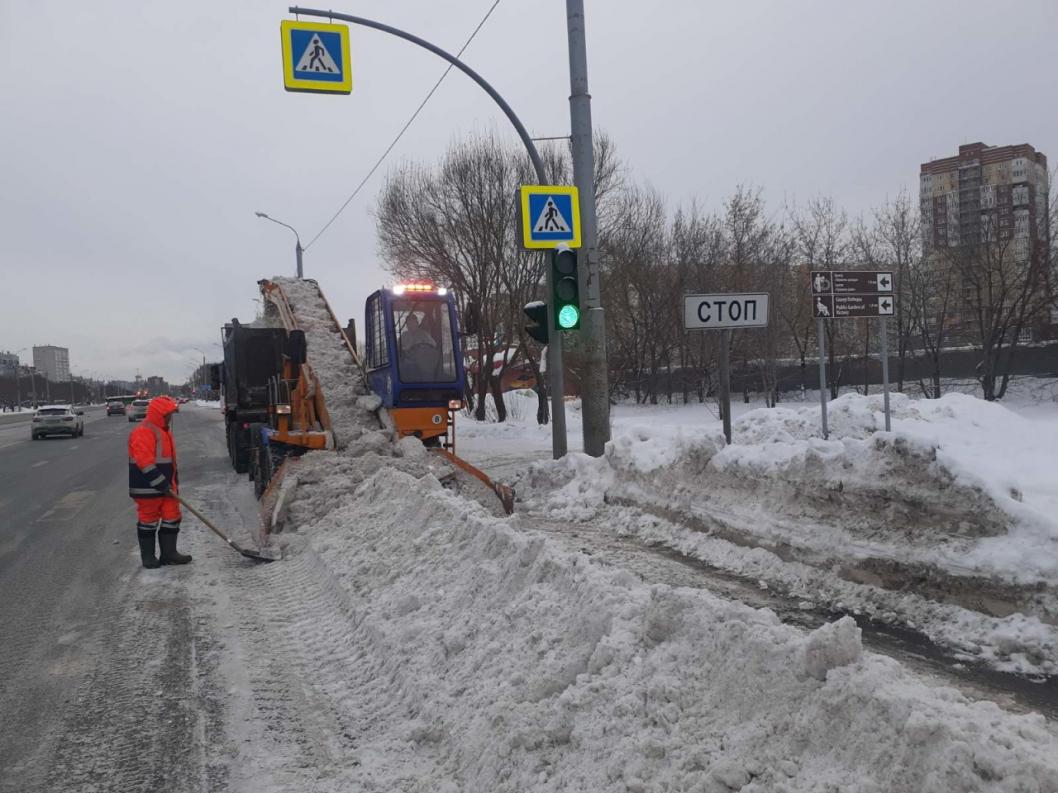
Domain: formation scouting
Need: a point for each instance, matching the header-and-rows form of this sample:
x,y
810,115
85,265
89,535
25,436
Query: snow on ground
x,y
948,524
439,647
471,653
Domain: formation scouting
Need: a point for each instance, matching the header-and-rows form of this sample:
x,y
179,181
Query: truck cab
x,y
414,358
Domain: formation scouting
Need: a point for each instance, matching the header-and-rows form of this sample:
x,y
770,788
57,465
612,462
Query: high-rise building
x,y
156,386
994,196
8,363
985,193
52,362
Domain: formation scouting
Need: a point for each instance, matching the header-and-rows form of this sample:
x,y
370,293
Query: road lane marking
x,y
38,465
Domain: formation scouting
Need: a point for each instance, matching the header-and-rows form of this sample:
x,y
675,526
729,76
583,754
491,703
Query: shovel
x,y
264,555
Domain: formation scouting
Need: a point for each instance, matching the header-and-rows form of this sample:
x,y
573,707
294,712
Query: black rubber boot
x,y
146,538
169,554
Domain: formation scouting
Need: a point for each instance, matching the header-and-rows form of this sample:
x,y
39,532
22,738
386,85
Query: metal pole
x,y
822,376
555,374
298,251
595,385
725,381
884,333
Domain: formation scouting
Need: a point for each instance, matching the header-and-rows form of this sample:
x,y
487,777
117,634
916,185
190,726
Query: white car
x,y
137,411
57,420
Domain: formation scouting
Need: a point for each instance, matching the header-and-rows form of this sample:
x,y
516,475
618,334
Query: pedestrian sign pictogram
x,y
550,216
316,57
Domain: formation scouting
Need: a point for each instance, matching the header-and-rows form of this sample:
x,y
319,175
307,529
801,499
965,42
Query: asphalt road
x,y
96,656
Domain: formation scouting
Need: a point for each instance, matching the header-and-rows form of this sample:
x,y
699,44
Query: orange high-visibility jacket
x,y
152,453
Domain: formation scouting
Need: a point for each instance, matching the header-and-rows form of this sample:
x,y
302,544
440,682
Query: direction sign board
x,y
550,216
851,282
849,306
846,294
316,57
719,312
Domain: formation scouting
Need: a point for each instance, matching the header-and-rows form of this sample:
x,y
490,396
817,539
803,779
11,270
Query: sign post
x,y
725,380
820,330
851,294
883,331
723,313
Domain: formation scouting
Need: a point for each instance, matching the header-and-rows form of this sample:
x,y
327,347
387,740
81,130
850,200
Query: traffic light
x,y
565,289
537,312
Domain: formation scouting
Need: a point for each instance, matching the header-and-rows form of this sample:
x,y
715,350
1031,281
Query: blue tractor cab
x,y
414,359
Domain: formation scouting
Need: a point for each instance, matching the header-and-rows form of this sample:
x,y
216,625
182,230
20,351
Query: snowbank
x,y
966,482
481,657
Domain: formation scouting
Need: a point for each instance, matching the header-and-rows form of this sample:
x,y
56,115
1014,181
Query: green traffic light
x,y
568,317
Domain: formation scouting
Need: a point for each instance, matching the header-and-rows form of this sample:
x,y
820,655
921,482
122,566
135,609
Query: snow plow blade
x,y
505,493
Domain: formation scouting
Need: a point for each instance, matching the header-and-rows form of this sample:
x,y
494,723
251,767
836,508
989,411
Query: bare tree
x,y
456,224
822,234
1004,291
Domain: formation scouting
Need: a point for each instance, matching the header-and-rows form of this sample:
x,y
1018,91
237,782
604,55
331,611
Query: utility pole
x,y
595,386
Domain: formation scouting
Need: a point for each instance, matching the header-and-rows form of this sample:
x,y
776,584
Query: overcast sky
x,y
138,138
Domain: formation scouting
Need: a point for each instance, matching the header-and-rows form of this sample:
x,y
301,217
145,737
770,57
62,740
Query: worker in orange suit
x,y
153,482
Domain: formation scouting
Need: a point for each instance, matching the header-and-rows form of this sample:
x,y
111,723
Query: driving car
x,y
57,420
137,410
115,407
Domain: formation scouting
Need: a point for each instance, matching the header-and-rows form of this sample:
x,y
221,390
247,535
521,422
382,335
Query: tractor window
x,y
377,346
426,351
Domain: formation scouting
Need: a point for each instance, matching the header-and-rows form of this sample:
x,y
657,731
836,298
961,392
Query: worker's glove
x,y
162,484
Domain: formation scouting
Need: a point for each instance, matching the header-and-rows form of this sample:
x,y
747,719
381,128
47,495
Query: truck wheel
x,y
230,433
240,453
260,470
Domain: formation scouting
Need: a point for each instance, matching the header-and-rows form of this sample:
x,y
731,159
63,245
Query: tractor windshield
x,y
426,353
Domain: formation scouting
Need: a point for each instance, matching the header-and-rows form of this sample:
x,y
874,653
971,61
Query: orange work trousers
x,y
151,510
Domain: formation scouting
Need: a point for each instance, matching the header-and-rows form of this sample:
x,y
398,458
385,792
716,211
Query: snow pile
x,y
341,379
475,655
959,478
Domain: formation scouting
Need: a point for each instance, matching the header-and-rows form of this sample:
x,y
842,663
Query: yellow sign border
x,y
527,224
292,83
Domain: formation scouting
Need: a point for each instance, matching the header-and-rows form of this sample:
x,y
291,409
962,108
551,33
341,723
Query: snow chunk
x,y
410,446
832,645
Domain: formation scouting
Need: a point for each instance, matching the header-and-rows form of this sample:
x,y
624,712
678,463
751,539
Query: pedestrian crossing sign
x,y
550,216
316,57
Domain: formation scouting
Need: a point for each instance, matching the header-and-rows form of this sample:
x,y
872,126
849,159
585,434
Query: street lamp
x,y
203,369
18,381
298,249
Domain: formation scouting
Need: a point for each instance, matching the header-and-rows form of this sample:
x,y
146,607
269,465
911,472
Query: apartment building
x,y
996,195
52,362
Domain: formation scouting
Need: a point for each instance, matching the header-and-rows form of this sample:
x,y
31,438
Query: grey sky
x,y
139,138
